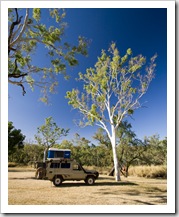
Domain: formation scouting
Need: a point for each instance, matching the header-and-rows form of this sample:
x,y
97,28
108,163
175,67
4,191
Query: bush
x,y
149,171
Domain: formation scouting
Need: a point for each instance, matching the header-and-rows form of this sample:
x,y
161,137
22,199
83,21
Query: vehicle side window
x,y
76,167
65,165
55,165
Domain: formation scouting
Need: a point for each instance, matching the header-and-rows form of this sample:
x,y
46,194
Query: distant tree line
x,y
130,150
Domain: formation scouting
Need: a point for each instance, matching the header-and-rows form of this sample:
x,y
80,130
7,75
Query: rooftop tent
x,y
58,153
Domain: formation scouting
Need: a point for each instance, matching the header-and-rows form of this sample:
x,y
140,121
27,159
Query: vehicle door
x,y
52,169
77,172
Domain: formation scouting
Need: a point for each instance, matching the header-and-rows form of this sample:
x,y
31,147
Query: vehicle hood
x,y
92,172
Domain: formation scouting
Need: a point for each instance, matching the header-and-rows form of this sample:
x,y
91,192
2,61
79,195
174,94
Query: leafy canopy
x,y
49,133
31,30
112,88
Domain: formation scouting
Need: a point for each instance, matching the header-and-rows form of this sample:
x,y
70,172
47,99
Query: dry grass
x,y
139,171
25,190
149,171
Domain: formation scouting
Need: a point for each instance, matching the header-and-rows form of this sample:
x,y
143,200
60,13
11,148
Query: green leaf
x,y
130,112
37,14
129,51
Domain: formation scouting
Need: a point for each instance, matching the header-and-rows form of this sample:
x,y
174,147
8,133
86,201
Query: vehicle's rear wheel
x,y
90,180
57,181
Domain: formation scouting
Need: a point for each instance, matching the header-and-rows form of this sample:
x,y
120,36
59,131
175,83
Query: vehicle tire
x,y
90,180
57,181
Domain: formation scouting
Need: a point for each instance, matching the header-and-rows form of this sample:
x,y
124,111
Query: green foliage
x,y
131,151
129,51
129,148
28,154
86,153
15,139
156,152
49,133
130,112
36,14
113,79
113,89
102,138
26,34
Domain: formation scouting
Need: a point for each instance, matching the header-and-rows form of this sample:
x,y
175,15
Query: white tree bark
x,y
45,152
115,158
22,30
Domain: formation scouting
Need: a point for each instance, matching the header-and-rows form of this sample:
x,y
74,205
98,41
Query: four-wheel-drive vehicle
x,y
60,170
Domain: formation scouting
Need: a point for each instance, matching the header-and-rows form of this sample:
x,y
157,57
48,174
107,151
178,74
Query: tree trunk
x,y
116,165
45,153
127,169
115,158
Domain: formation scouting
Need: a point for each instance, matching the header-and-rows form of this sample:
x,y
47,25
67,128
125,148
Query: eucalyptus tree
x,y
38,34
112,90
49,133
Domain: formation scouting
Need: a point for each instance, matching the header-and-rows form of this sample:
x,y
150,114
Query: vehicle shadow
x,y
101,181
20,171
115,183
21,178
79,184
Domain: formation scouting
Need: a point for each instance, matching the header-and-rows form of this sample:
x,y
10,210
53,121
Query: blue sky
x,y
143,30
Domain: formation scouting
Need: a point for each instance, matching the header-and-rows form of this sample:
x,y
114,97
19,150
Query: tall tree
x,y
15,138
30,29
111,91
48,134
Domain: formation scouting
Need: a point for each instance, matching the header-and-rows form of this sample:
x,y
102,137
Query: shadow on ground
x,y
75,184
20,171
107,181
22,178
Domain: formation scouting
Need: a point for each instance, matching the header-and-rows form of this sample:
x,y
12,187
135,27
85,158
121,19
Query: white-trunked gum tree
x,y
111,92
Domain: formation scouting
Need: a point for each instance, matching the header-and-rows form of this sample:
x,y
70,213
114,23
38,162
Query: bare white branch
x,y
22,30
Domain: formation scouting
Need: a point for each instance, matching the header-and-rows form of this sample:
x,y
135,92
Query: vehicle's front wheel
x,y
90,180
57,181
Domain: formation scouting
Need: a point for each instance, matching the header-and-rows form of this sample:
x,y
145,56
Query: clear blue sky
x,y
143,30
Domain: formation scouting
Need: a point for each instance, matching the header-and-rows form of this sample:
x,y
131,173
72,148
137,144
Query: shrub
x,y
149,171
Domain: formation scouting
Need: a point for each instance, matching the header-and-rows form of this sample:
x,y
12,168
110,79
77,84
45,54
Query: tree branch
x,y
18,20
102,125
38,40
19,83
17,75
23,28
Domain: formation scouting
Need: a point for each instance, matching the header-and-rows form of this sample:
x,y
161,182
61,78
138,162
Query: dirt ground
x,y
24,189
